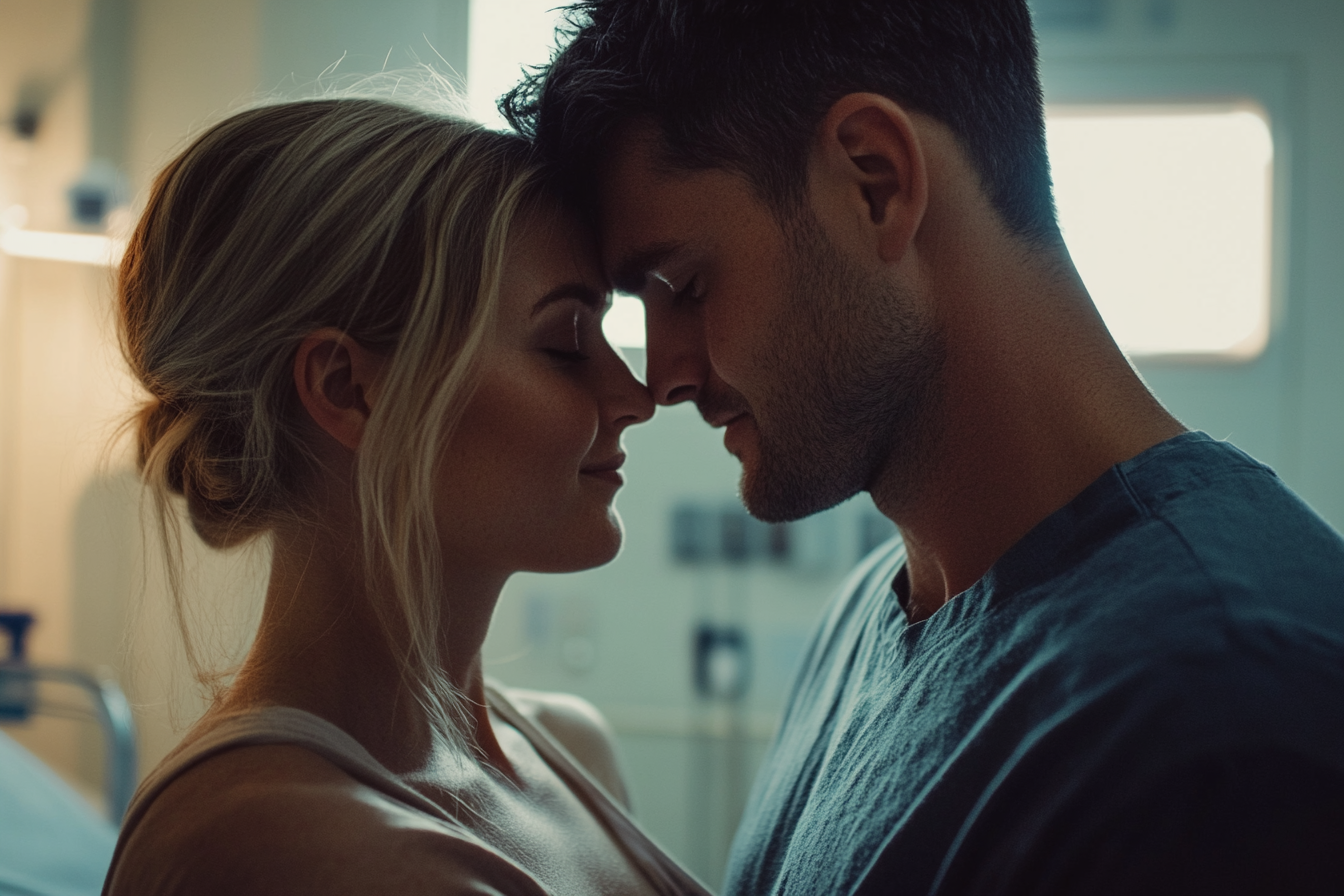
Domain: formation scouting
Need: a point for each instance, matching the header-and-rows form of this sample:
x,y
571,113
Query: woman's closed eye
x,y
564,341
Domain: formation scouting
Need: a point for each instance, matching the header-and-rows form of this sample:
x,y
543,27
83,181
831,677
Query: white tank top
x,y
295,727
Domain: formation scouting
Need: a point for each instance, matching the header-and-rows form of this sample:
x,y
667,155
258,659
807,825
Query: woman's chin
x,y
603,549
584,547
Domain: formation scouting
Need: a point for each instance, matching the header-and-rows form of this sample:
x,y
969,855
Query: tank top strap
x,y
275,725
666,875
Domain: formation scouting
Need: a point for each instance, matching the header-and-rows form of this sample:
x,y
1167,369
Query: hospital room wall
x,y
58,379
70,543
1284,406
71,546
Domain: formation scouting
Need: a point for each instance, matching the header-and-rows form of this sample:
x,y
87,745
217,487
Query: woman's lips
x,y
608,470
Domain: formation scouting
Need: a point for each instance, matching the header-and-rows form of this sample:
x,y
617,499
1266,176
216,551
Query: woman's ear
x,y
337,380
868,173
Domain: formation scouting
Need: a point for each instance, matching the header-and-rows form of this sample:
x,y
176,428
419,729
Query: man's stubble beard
x,y
857,367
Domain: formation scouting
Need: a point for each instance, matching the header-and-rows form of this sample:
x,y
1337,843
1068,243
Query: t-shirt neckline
x,y
1036,554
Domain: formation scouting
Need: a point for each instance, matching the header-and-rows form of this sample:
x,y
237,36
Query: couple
x,y
1106,655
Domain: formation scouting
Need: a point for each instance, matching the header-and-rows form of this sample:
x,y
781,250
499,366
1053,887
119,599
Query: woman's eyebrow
x,y
581,291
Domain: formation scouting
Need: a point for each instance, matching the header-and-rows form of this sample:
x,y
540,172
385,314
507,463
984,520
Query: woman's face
x,y
531,471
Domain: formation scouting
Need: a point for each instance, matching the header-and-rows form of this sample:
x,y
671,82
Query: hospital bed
x,y
52,842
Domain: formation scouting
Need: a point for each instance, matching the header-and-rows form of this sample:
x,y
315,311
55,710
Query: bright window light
x,y
1166,212
502,37
624,323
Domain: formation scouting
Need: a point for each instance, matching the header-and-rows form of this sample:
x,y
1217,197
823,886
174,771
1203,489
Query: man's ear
x,y
868,173
337,379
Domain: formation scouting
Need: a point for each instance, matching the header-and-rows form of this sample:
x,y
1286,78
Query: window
x,y
1165,209
1166,212
503,36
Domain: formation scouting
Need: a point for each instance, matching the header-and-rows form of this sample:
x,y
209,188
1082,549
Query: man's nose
x,y
677,363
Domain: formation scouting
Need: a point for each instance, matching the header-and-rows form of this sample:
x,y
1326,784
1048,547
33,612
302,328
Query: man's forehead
x,y
643,207
653,210
629,269
639,146
637,171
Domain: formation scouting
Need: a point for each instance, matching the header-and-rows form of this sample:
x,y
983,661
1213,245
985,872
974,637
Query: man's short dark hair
x,y
742,84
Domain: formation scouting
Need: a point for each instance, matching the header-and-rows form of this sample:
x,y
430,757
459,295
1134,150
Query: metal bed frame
x,y
19,699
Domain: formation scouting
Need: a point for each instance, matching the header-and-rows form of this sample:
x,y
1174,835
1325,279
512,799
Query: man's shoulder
x,y
1221,539
1215,622
1205,609
1232,515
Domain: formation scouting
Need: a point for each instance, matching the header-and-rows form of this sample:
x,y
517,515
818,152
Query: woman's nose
x,y
631,401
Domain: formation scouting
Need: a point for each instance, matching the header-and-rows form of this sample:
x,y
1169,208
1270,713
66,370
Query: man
x,y
1107,654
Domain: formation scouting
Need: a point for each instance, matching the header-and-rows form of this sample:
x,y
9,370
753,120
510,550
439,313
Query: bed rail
x,y
19,699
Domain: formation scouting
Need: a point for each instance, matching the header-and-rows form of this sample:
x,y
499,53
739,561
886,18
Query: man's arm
x,y
1249,822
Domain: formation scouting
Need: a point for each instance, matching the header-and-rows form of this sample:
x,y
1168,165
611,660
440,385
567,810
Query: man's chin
x,y
777,485
758,501
783,499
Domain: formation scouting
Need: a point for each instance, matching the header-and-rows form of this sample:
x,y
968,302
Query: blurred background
x,y
1197,147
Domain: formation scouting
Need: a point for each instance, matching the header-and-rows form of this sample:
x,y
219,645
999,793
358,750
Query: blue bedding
x,y
52,843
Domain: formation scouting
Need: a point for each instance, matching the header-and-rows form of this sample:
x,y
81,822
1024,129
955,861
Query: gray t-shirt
x,y
1144,695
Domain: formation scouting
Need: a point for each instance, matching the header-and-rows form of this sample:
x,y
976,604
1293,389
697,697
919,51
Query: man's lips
x,y
724,418
733,433
719,404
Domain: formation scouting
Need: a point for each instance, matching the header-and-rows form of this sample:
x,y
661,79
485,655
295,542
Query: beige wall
x,y
71,547
192,62
48,342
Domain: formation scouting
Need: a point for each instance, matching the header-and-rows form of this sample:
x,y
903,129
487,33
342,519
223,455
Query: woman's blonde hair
x,y
385,221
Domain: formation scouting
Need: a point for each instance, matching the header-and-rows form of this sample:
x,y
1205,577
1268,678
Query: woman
x,y
370,334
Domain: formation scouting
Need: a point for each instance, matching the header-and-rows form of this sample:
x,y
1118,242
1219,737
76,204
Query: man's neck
x,y
1036,403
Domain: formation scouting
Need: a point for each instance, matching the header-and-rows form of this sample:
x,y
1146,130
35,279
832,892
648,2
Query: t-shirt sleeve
x,y
1265,822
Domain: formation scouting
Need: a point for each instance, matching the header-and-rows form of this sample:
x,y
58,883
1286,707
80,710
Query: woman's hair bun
x,y
191,456
157,422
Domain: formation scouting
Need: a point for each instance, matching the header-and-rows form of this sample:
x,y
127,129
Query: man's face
x,y
820,367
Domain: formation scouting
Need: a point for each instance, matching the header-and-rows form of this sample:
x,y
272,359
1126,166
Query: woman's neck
x,y
321,647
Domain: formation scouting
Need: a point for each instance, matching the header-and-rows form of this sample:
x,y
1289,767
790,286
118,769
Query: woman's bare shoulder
x,y
280,819
581,729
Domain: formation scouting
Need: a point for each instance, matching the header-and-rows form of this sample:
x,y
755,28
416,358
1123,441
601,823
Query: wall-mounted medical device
x,y
725,534
721,661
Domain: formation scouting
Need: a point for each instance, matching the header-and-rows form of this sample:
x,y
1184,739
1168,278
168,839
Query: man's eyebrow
x,y
632,272
581,291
